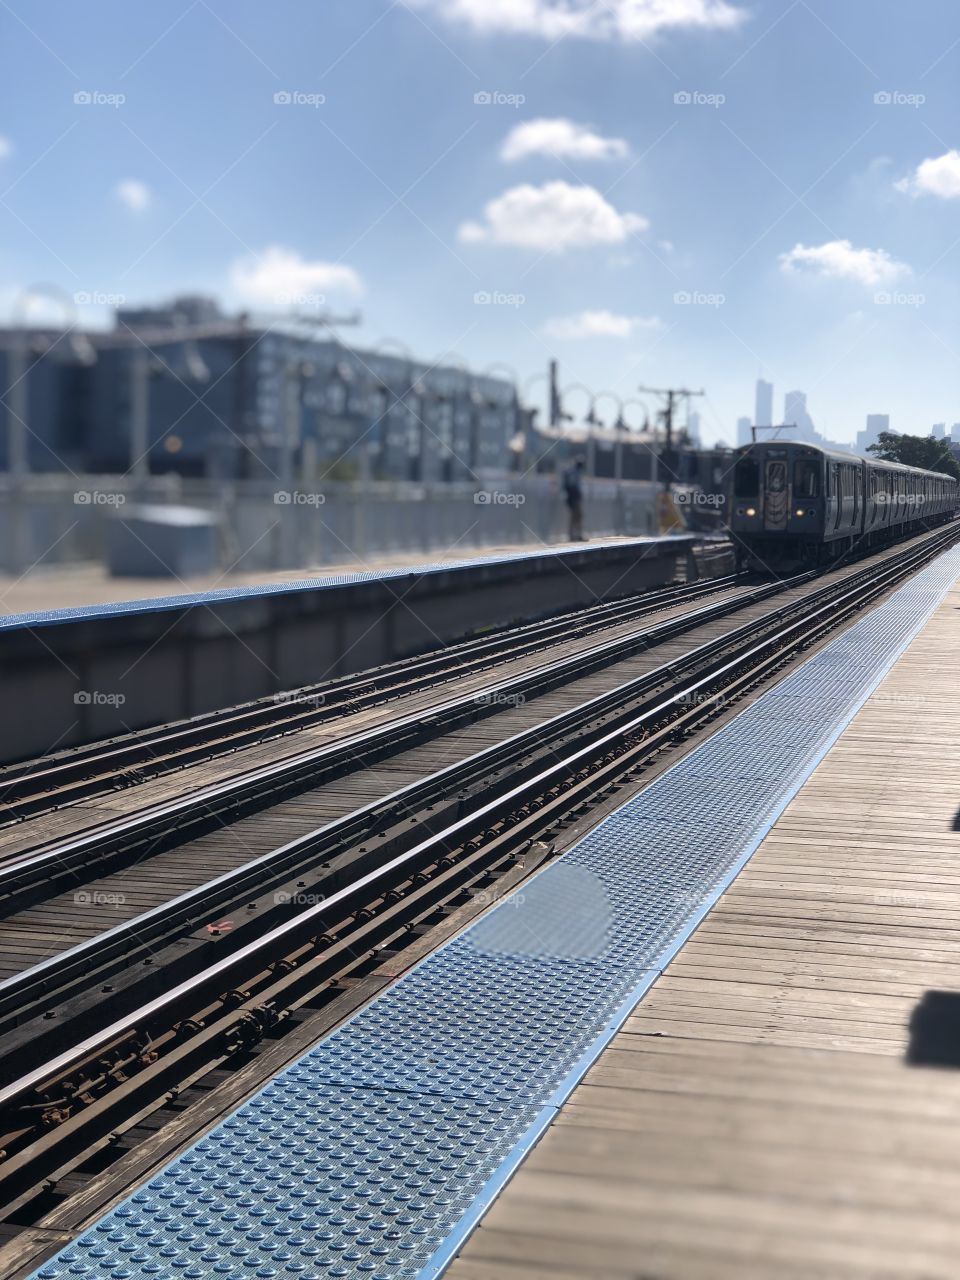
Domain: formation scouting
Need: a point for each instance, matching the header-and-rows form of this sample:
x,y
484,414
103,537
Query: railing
x,y
61,519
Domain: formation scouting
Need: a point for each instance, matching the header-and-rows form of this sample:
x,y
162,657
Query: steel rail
x,y
52,860
26,791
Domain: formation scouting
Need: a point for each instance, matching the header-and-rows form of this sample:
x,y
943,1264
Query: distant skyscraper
x,y
795,413
693,427
876,422
744,434
955,431
939,431
763,411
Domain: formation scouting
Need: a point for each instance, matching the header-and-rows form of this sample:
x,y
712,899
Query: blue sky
x,y
783,220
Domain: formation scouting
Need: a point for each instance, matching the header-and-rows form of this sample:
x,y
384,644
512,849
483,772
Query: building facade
x,y
44,406
184,388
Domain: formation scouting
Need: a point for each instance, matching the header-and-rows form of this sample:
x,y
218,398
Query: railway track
x,y
52,782
106,1032
47,866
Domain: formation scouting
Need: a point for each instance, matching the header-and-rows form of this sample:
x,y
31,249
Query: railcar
x,y
796,505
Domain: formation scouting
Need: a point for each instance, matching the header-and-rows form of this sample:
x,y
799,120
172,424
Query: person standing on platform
x,y
573,490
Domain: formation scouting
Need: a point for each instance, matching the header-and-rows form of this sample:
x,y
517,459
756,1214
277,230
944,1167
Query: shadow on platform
x,y
935,1030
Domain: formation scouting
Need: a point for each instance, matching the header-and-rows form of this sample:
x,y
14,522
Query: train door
x,y
776,497
836,474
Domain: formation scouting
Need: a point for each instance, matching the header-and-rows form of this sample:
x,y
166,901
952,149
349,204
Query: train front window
x,y
747,479
806,479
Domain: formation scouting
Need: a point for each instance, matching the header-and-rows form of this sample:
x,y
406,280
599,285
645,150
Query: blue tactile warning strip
x,y
161,604
377,1151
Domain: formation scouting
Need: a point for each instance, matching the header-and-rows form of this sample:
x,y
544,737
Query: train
x,y
797,506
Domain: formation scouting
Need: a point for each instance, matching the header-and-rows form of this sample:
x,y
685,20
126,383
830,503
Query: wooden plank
x,y
589,1221
23,1252
810,1175
533,1258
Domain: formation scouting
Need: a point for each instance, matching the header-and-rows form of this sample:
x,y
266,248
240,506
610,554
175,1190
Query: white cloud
x,y
6,147
937,177
553,217
24,304
279,277
133,193
839,260
611,20
599,324
560,138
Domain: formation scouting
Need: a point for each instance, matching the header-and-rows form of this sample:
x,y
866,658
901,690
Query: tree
x,y
925,452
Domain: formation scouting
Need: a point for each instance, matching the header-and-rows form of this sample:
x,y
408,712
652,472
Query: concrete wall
x,y
92,673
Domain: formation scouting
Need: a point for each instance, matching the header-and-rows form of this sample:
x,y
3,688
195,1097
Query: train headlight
x,y
751,511
800,511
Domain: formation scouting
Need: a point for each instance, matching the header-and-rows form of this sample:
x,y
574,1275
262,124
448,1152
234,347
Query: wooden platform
x,y
757,1116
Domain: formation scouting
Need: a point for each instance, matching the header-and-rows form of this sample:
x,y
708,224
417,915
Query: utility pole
x,y
556,413
672,396
18,456
140,369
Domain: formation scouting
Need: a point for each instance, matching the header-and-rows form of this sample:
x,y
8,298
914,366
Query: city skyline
x,y
796,413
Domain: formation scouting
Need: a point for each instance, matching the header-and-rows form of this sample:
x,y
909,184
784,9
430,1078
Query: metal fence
x,y
56,520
